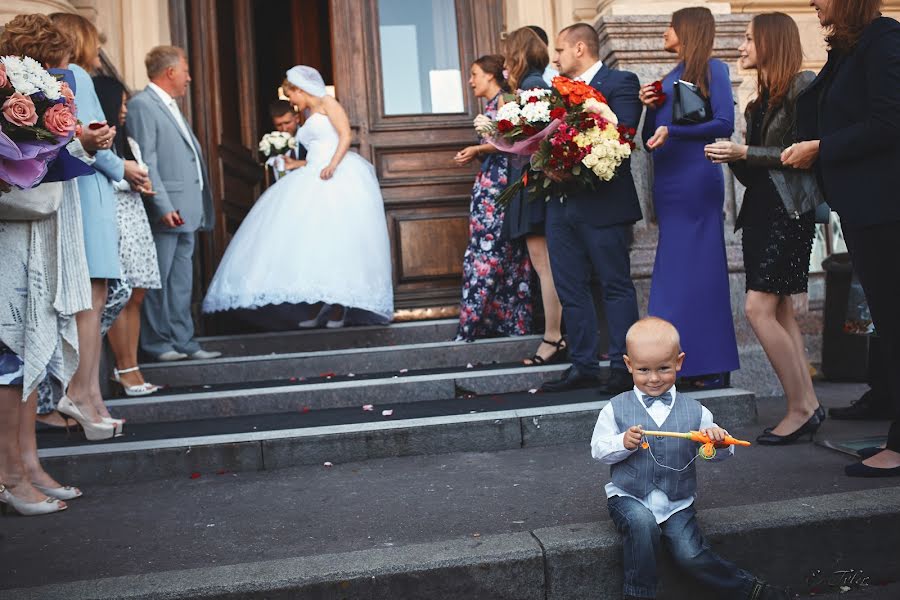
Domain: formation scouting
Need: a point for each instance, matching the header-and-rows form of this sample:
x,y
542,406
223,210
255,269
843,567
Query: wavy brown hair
x,y
848,20
524,51
85,38
36,36
492,64
779,56
696,30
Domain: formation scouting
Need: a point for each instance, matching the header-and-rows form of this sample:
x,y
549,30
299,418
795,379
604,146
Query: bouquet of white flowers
x,y
276,143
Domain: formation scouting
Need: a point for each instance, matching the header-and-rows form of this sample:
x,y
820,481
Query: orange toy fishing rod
x,y
708,447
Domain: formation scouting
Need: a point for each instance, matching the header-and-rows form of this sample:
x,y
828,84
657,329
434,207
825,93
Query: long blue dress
x,y
690,276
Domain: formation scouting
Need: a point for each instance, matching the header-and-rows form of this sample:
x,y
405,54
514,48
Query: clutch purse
x,y
689,107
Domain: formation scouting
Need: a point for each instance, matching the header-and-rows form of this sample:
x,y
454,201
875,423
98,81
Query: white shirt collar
x,y
588,76
640,395
163,94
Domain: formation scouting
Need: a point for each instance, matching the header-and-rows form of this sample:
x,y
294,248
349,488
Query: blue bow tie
x,y
666,399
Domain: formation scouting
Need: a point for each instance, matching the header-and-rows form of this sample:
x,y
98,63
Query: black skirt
x,y
523,218
776,254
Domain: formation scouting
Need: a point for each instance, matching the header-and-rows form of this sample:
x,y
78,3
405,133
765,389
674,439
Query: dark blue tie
x,y
666,399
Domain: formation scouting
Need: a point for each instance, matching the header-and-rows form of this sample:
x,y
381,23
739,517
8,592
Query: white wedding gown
x,y
310,240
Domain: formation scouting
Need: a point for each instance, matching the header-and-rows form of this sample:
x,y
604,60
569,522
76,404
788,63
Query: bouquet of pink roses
x,y
37,119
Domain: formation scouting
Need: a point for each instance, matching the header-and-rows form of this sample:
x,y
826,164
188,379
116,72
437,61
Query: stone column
x,y
11,8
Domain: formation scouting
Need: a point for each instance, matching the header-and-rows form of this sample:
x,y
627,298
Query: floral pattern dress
x,y
496,293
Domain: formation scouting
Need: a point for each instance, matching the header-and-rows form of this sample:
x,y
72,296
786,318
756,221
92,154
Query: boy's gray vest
x,y
639,474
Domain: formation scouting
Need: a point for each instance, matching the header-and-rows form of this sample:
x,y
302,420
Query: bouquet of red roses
x,y
583,144
36,120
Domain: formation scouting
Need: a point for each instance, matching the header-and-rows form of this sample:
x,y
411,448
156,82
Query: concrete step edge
x,y
572,561
338,353
317,332
273,450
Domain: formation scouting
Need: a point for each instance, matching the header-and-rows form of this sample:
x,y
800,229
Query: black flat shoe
x,y
558,356
869,452
572,379
820,412
861,470
809,428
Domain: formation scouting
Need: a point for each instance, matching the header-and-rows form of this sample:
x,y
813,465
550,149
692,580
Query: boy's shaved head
x,y
654,330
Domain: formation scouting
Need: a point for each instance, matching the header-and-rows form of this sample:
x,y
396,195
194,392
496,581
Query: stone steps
x,y
365,359
271,442
783,542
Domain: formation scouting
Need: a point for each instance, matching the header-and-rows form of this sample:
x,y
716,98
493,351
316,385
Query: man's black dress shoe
x,y
619,381
868,407
861,470
573,379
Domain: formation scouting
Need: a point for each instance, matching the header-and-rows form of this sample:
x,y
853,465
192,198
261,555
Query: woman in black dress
x,y
527,57
777,215
849,119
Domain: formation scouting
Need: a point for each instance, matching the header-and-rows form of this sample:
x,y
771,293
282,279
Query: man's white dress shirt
x,y
170,103
588,76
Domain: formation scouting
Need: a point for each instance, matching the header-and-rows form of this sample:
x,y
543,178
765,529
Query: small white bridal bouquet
x,y
274,145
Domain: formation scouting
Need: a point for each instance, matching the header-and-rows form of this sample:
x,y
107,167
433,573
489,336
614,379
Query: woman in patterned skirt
x,y
496,295
137,252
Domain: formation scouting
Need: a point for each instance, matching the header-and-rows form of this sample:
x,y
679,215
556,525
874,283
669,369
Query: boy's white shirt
x,y
608,446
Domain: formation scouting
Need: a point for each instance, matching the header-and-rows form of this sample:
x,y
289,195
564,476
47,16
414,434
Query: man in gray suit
x,y
181,206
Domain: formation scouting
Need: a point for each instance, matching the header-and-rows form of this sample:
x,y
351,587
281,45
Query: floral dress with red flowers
x,y
496,293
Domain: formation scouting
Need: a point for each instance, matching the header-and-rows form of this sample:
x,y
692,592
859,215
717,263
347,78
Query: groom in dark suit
x,y
589,231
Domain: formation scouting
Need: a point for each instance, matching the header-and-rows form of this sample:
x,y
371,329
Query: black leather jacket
x,y
798,189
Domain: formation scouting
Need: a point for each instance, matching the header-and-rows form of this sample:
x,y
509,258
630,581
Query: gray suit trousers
x,y
166,322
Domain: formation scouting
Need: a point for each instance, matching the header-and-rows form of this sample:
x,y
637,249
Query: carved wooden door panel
x,y
401,68
224,114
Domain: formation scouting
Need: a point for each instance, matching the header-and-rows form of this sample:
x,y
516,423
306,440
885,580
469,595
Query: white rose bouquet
x,y
276,143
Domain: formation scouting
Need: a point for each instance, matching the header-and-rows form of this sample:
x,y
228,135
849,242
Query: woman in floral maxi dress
x,y
496,294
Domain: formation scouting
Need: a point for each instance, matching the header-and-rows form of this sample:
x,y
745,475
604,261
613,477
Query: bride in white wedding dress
x,y
318,236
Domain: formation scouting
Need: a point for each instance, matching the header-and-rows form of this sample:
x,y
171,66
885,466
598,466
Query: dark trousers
x,y
641,541
576,250
873,251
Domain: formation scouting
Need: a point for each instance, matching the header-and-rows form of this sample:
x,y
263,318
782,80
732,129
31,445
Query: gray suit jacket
x,y
173,170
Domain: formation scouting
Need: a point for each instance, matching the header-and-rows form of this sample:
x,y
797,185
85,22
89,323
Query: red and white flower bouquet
x,y
573,137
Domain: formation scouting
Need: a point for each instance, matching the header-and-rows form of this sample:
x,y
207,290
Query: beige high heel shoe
x,y
61,493
28,509
92,431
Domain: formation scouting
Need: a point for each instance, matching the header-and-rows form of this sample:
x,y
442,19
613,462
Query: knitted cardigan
x,y
44,281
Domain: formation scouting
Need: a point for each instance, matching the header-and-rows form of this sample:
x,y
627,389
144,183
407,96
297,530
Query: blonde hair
x,y
85,39
161,58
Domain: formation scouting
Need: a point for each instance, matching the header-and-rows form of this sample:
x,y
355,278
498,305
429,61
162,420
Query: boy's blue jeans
x,y
641,538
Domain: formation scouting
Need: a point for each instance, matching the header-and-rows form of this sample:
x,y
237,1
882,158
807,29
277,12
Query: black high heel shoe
x,y
809,428
558,356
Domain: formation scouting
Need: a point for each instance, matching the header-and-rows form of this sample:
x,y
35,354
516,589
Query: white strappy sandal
x,y
144,389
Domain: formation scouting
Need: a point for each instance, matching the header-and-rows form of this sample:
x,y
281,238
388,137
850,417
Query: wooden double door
x,y
399,67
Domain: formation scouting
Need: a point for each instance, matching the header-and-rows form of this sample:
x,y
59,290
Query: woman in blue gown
x,y
690,276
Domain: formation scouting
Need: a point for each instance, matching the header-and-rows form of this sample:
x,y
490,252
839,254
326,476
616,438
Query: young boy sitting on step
x,y
650,503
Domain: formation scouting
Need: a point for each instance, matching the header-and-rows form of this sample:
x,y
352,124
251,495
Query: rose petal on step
x,y
195,475
368,407
327,375
327,464
533,391
305,409
351,375
293,379
387,413
469,366
404,370
476,535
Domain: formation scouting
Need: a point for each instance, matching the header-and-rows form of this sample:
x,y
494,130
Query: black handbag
x,y
689,107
